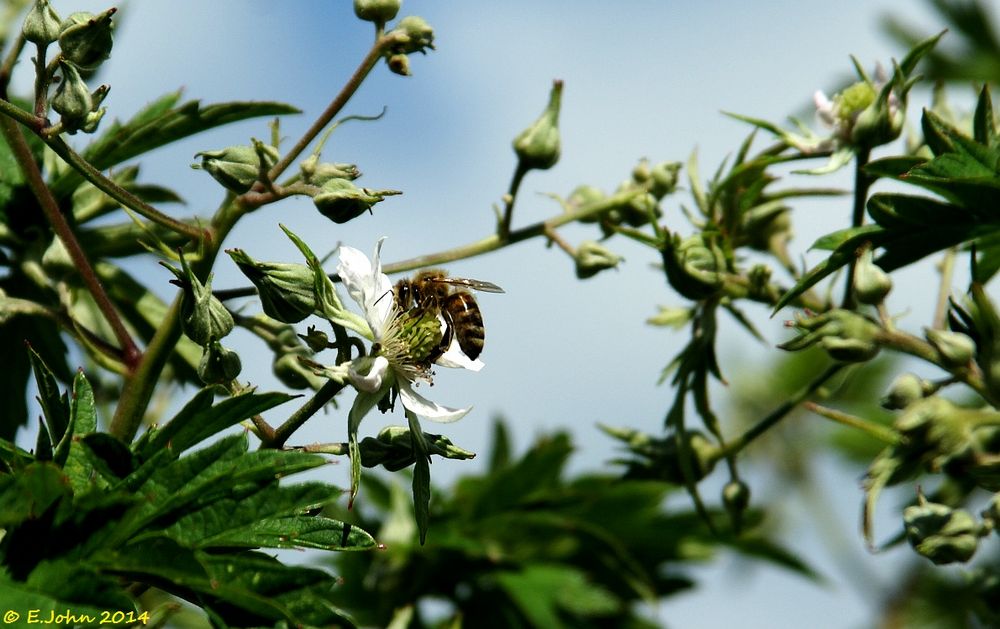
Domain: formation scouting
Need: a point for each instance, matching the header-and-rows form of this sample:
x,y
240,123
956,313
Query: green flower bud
x,y
317,340
906,389
871,283
412,34
582,196
204,317
641,173
86,39
218,365
237,167
940,533
664,179
393,448
340,200
879,123
694,266
659,458
93,120
592,258
849,350
286,290
72,99
736,499
956,349
378,11
41,25
318,173
399,64
537,147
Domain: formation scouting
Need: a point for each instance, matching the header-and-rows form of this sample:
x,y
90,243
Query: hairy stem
x,y
307,410
862,182
779,413
130,353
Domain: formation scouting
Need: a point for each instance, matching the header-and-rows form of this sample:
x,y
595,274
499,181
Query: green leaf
x,y
109,456
56,588
895,167
544,593
230,518
421,477
296,532
30,493
983,121
54,403
162,123
198,420
45,338
82,421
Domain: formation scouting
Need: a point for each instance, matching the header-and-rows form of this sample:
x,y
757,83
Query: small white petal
x,y
426,408
355,272
379,301
367,285
824,108
375,376
455,358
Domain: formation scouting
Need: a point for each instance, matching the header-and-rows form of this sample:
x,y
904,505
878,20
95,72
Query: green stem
x,y
880,432
862,182
340,100
130,353
508,212
779,413
307,410
944,289
137,390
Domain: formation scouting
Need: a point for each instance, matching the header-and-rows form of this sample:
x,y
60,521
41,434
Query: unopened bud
x,y
584,195
204,318
340,200
694,266
592,258
956,349
849,350
317,340
538,146
72,99
412,34
399,64
940,533
318,173
664,178
286,290
906,389
218,365
86,39
378,11
736,499
42,24
237,167
871,283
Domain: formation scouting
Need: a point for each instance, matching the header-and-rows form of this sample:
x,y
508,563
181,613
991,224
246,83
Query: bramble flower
x,y
403,342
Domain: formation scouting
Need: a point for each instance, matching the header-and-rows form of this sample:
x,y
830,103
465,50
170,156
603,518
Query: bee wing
x,y
480,285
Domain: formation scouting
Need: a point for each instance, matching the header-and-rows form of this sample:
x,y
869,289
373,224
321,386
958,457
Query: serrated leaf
x,y
28,494
296,532
83,421
543,593
198,420
55,404
162,123
895,167
58,588
109,456
233,516
44,336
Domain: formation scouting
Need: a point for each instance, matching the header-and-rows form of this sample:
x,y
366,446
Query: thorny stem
x,y
779,413
947,269
862,182
130,353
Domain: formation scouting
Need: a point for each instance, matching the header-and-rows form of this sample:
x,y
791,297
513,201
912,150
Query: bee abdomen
x,y
467,322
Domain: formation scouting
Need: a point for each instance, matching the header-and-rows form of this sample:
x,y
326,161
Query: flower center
x,y
408,340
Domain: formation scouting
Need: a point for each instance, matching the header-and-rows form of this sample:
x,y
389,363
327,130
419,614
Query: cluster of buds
x,y
206,320
978,320
85,41
646,186
845,335
941,533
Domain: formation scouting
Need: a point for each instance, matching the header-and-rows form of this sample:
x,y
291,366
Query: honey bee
x,y
463,321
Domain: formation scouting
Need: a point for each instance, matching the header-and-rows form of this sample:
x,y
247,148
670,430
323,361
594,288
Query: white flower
x,y
394,332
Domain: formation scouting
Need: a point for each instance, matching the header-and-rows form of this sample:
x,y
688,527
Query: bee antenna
x,y
388,292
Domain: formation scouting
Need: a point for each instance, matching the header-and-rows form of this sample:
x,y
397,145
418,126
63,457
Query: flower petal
x,y
367,285
368,375
426,408
455,358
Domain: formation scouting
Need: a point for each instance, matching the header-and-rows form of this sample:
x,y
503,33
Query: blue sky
x,y
642,79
